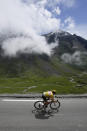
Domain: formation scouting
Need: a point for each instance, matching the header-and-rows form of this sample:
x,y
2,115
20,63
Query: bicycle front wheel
x,y
55,105
39,105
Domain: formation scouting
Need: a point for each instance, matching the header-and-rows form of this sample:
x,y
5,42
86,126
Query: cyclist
x,y
48,95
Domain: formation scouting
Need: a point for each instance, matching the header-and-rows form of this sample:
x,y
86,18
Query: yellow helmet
x,y
54,91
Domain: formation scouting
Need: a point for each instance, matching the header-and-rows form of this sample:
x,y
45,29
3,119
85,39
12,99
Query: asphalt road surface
x,y
17,116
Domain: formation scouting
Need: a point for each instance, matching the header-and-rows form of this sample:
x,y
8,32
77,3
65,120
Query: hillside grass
x,y
25,85
23,78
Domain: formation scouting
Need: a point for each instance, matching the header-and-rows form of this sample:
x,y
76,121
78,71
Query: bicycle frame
x,y
50,101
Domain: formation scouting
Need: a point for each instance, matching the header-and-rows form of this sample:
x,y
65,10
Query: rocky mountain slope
x,y
68,56
72,49
65,70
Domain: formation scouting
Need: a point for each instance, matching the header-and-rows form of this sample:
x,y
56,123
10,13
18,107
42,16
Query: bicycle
x,y
54,105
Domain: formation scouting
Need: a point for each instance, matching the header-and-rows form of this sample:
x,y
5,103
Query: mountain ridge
x,y
39,72
66,43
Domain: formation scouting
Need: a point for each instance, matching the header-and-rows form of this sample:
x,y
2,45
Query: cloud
x,y
72,58
32,18
77,58
14,46
69,23
15,14
29,19
24,14
55,3
68,3
73,28
80,30
57,11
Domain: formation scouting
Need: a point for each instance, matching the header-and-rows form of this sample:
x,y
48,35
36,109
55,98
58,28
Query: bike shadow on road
x,y
44,114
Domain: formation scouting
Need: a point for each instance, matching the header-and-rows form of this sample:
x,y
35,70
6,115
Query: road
x,y
17,116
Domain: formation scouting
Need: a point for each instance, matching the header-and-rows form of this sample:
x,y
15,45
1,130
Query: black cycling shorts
x,y
45,98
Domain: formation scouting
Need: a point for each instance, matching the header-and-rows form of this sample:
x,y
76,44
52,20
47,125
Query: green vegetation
x,y
63,85
37,74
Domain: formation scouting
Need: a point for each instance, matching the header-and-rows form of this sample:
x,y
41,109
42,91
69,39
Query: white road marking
x,y
19,100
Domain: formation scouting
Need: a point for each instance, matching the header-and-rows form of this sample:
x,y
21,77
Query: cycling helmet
x,y
54,91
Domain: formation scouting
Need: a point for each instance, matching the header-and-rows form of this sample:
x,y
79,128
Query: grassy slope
x,y
39,78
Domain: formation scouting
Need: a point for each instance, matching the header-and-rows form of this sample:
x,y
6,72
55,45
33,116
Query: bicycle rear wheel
x,y
39,105
55,105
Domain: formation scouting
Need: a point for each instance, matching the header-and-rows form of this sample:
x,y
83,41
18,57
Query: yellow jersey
x,y
48,94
